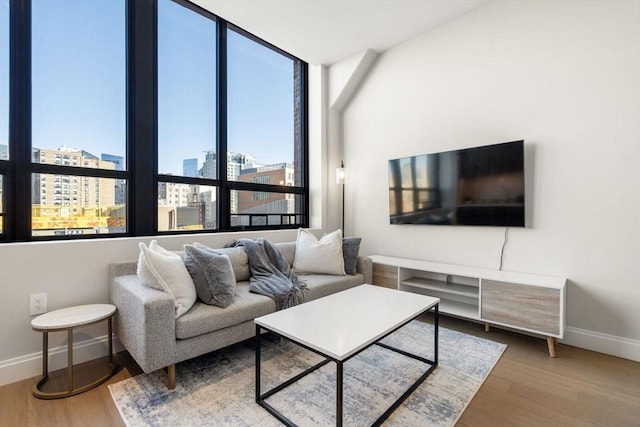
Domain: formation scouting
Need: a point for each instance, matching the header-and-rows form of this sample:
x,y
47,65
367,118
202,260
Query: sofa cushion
x,y
246,306
212,275
350,249
239,260
322,256
288,250
321,285
203,318
165,271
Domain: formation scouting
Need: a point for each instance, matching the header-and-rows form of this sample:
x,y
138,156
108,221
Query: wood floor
x,y
526,388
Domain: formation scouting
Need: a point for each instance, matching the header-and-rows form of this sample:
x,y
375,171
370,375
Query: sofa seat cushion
x,y
246,306
321,285
203,318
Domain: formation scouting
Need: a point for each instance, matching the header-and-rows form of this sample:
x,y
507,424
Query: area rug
x,y
218,389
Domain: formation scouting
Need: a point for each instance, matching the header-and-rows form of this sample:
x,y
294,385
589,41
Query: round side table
x,y
67,319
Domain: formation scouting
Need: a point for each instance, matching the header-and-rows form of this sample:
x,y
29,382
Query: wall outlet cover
x,y
37,303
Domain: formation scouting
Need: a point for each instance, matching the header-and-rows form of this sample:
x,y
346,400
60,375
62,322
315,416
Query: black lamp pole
x,y
342,181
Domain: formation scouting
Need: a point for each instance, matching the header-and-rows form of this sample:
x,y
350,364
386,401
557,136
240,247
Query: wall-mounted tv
x,y
472,186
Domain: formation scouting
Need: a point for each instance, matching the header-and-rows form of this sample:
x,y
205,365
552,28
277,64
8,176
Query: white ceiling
x,y
326,31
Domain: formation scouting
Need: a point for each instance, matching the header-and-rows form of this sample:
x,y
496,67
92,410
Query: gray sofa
x,y
147,327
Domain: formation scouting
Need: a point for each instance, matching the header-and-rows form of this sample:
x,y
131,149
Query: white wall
x,y
562,75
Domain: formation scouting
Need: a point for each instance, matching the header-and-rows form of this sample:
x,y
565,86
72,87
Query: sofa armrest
x,y
145,322
365,266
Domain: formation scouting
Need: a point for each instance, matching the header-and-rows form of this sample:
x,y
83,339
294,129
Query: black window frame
x,y
141,173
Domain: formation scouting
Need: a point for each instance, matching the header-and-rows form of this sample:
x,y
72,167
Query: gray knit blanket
x,y
271,274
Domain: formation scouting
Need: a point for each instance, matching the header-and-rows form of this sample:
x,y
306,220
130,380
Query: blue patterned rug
x,y
217,389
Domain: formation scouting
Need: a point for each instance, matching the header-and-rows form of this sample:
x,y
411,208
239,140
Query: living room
x,y
561,75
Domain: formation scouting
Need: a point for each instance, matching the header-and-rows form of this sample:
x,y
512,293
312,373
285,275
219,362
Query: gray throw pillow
x,y
212,275
350,248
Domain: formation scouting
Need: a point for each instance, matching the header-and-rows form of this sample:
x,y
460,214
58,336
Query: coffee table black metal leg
x,y
339,396
436,327
257,344
260,399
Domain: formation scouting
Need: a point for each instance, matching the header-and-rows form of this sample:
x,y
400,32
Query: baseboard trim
x,y
30,365
612,345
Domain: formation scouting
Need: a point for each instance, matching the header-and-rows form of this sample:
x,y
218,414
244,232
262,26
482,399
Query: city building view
x,y
74,204
194,207
69,204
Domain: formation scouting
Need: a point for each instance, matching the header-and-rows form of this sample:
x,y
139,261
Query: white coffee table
x,y
67,319
340,326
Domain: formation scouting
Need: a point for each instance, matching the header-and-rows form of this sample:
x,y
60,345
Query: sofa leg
x,y
170,372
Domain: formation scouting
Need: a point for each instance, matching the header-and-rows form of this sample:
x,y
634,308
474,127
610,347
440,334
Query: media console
x,y
521,301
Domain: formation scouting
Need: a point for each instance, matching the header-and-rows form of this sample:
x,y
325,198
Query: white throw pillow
x,y
165,271
322,256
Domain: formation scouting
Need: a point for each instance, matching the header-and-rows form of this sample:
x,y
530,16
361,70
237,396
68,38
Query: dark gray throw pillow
x,y
350,248
212,274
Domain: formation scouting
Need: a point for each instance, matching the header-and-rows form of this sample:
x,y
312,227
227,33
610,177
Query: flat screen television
x,y
472,186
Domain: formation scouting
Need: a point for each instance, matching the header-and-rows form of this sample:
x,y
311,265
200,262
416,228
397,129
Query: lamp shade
x,y
341,174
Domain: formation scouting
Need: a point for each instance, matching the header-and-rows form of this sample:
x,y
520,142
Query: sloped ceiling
x,y
326,31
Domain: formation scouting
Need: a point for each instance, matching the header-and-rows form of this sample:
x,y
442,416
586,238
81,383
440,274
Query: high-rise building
x,y
236,162
190,168
209,167
116,160
270,205
73,204
174,194
75,192
208,200
121,184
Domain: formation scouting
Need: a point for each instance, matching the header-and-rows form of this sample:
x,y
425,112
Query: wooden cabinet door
x,y
385,275
533,308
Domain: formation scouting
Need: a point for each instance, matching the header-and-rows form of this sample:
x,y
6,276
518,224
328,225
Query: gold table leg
x,y
70,360
71,391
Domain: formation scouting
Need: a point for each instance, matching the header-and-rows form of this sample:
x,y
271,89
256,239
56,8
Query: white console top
x,y
477,272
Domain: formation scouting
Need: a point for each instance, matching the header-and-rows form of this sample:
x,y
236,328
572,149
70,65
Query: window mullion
x,y
142,112
18,221
224,193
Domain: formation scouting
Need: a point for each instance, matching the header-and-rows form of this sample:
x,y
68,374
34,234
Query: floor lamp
x,y
341,178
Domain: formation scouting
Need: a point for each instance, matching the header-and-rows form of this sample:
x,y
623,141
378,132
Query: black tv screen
x,y
473,186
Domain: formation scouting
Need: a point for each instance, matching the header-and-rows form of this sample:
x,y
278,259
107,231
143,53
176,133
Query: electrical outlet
x,y
38,303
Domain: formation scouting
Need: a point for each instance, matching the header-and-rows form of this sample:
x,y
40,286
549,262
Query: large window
x,y
186,90
78,116
187,145
78,74
260,92
263,90
139,117
258,151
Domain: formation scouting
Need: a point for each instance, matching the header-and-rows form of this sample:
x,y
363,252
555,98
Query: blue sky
x,y
4,70
78,75
78,85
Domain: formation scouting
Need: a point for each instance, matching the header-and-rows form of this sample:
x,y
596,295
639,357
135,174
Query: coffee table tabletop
x,y
342,324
